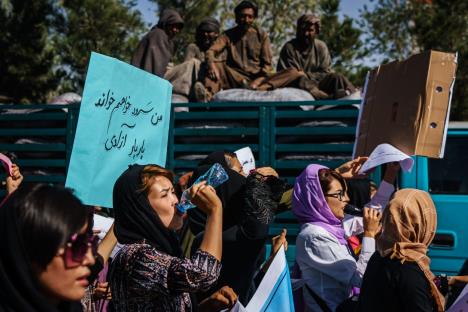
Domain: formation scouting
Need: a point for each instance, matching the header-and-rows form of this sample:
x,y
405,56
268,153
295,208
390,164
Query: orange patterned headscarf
x,y
408,227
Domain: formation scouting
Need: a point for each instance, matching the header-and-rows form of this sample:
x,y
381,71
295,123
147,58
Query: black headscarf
x,y
230,192
169,17
19,289
135,219
209,24
358,192
246,5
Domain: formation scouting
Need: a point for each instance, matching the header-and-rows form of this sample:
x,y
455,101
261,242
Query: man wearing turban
x,y
310,55
184,76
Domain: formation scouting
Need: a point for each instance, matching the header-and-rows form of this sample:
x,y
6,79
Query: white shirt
x,y
327,266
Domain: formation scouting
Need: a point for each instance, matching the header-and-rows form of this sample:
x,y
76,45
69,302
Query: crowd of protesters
x,y
214,256
157,258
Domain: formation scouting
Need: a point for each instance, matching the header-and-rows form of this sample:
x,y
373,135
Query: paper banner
x,y
124,119
386,153
246,158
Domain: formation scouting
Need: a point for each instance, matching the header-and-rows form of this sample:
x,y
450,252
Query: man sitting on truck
x,y
248,58
183,76
157,47
310,55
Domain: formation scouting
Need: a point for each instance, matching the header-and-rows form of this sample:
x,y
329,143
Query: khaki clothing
x,y
248,57
315,62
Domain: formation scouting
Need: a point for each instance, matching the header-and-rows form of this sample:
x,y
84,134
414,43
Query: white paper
x,y
102,224
461,304
246,158
386,153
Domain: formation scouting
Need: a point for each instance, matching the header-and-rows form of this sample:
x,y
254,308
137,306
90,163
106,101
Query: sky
x,y
347,7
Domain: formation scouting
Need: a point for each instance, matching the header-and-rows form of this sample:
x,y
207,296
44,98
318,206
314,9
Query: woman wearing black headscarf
x,y
149,272
45,250
249,204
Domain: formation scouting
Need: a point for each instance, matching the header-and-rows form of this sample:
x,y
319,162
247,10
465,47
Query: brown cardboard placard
x,y
407,104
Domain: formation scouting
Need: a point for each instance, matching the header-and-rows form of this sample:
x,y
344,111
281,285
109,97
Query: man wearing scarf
x,y
157,47
248,55
310,55
184,76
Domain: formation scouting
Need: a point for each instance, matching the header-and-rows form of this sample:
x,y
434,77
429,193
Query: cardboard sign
x,y
124,119
246,158
407,104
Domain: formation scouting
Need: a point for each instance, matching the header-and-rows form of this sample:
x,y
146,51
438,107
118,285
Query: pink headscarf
x,y
309,204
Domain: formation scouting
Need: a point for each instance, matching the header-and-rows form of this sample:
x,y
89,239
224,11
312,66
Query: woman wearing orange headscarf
x,y
398,277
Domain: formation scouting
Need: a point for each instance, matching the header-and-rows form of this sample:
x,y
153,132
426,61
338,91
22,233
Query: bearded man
x,y
310,55
248,55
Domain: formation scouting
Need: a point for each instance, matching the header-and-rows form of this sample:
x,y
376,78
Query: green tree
x,y
344,42
110,27
192,11
28,58
397,29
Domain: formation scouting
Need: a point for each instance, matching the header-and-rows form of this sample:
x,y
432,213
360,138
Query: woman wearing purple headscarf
x,y
328,267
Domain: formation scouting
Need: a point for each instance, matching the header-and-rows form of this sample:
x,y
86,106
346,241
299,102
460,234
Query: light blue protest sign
x,y
275,291
124,119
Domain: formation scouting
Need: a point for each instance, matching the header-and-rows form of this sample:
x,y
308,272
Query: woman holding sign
x,y
327,264
150,272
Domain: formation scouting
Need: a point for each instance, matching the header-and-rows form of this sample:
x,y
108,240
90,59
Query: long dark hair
x,y
47,216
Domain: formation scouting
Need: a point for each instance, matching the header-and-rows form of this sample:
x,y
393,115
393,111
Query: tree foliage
x,y
343,41
110,27
27,55
397,29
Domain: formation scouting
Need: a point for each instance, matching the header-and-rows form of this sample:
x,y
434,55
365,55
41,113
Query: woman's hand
x,y
204,197
102,291
267,171
223,298
372,219
350,169
277,241
14,181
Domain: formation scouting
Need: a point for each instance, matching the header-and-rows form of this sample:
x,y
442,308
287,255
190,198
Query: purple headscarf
x,y
309,204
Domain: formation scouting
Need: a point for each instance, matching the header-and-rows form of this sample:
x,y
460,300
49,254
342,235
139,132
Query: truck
x,y
284,135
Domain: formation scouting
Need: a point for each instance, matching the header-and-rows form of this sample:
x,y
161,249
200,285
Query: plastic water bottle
x,y
215,176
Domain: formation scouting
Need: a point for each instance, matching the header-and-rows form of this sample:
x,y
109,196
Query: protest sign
x,y
407,104
461,303
274,292
246,158
124,119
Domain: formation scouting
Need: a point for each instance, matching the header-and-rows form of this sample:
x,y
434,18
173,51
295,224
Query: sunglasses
x,y
77,248
339,195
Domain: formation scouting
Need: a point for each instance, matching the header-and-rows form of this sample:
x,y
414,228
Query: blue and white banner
x,y
274,294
